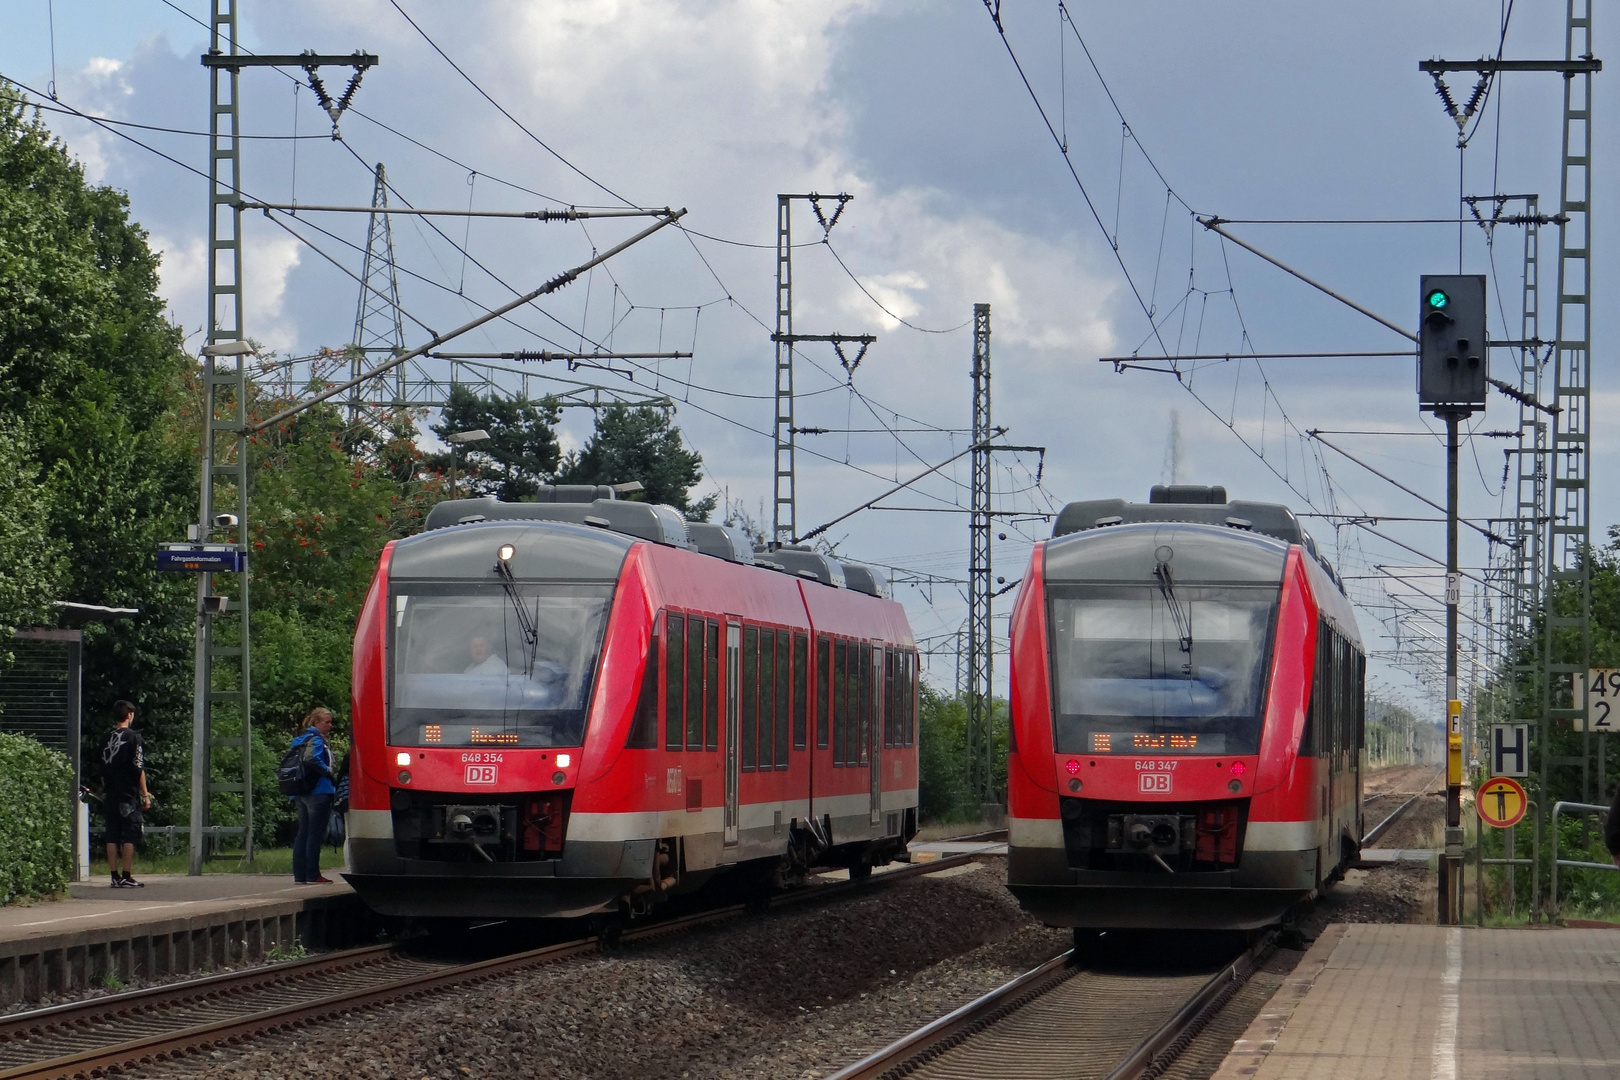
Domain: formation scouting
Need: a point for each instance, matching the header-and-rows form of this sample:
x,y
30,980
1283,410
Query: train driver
x,y
484,660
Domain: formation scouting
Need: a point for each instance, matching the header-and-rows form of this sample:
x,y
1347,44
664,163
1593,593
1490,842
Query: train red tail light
x,y
1073,766
1238,768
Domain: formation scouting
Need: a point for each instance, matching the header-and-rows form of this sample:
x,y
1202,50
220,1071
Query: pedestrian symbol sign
x,y
1501,802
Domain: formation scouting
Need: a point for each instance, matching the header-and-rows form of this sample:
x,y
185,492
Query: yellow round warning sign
x,y
1501,802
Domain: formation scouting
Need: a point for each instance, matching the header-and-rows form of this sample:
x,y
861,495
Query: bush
x,y
36,819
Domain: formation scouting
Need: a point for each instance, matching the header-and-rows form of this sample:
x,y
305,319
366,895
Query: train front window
x,y
1135,676
466,673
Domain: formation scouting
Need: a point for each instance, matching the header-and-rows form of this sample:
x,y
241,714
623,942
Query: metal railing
x,y
1574,864
170,833
1533,862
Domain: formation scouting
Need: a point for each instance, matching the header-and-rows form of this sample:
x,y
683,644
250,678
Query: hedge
x,y
36,819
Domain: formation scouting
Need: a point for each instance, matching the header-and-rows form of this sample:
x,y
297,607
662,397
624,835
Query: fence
x,y
40,697
1574,864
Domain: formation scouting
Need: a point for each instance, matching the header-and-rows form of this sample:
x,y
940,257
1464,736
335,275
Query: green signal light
x,y
1437,299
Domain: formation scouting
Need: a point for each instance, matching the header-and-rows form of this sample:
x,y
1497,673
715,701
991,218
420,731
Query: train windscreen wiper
x,y
531,634
1183,620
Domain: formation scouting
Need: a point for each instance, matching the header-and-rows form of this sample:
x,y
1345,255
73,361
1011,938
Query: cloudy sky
x,y
1258,110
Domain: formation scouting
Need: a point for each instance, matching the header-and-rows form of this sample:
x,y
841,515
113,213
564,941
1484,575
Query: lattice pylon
x,y
379,328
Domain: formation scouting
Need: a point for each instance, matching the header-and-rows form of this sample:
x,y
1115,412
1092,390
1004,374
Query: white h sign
x,y
1510,749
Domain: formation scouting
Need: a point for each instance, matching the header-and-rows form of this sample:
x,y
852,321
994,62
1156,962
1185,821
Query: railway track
x,y
90,1038
1065,1020
1383,826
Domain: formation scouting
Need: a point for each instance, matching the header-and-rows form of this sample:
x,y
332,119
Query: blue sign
x,y
201,558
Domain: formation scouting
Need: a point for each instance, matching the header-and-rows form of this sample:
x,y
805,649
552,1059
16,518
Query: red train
x,y
563,708
1187,716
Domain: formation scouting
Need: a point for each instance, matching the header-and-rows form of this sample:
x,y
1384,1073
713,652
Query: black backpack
x,y
297,774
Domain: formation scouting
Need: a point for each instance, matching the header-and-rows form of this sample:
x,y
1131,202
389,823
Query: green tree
x,y
97,403
32,564
326,496
640,443
520,454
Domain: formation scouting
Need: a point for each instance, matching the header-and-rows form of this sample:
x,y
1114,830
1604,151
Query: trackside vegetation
x,y
36,848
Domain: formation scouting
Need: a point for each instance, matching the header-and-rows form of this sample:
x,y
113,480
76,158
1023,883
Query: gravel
x,y
798,992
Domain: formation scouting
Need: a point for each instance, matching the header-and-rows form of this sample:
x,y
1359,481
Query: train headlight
x,y
506,552
1234,786
402,758
1074,785
563,761
404,777
558,777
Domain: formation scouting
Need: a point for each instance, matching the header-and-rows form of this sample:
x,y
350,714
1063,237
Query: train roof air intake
x,y
1187,493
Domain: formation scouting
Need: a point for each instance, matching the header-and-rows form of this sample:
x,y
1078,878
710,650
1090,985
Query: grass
x,y
295,951
265,861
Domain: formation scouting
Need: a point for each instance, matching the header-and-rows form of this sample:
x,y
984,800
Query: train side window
x,y
750,695
912,675
767,696
711,708
801,688
694,683
1360,692
674,681
824,664
784,699
892,715
867,703
840,699
644,729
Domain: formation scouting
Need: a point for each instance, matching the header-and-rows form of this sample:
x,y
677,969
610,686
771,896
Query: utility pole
x,y
1566,476
224,480
980,664
784,512
378,324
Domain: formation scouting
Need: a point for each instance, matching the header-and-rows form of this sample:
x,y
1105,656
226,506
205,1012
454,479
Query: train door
x,y
733,756
875,732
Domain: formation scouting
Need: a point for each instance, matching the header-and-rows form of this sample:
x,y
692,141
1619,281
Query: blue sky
x,y
1254,110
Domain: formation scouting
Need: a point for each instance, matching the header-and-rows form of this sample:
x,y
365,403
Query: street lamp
x,y
461,438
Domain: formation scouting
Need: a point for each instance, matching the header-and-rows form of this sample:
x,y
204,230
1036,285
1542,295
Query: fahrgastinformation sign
x,y
202,558
1501,802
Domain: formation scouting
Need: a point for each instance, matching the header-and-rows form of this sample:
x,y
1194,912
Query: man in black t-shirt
x,y
123,774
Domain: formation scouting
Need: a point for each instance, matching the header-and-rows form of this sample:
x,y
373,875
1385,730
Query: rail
x,y
1378,830
1153,1053
1560,808
229,1008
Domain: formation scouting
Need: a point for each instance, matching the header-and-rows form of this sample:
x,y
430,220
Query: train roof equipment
x,y
1193,504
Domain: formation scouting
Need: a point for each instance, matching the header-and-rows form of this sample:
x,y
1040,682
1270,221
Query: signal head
x,y
1437,300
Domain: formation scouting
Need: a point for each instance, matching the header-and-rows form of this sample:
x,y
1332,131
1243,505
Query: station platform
x,y
1381,1001
1385,855
176,924
931,850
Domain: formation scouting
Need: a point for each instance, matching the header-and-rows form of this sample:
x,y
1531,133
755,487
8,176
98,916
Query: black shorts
x,y
124,828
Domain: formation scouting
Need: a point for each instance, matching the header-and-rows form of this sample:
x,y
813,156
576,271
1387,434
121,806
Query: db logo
x,y
485,774
1153,783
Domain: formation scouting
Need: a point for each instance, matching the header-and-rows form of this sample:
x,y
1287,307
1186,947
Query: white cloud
x,y
267,262
182,277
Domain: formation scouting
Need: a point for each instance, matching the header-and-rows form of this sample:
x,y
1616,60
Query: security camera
x,y
224,521
215,605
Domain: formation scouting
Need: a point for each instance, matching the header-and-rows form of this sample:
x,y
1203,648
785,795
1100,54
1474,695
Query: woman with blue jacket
x,y
314,809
